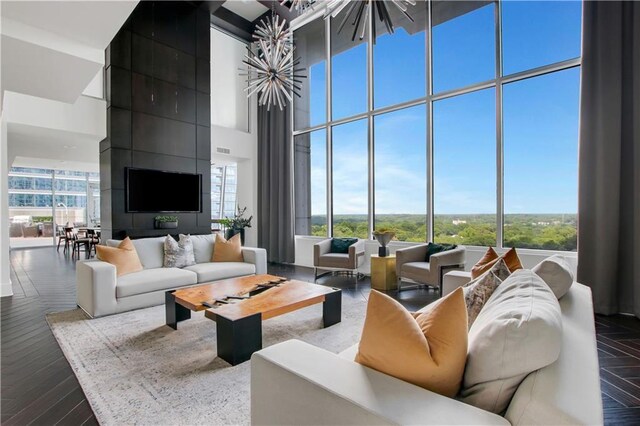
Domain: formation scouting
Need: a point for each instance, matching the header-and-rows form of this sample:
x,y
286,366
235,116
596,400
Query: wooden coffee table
x,y
239,323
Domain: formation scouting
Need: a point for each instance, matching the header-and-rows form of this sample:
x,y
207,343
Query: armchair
x,y
411,265
337,262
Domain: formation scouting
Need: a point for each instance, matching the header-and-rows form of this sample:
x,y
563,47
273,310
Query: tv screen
x,y
154,191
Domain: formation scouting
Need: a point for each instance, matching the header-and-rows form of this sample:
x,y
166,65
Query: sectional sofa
x,y
296,383
100,292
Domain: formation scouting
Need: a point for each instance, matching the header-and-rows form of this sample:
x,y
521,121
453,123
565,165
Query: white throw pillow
x,y
178,254
518,331
556,272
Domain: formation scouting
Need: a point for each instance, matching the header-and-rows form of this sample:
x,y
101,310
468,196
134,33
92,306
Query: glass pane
x,y
541,161
399,58
311,106
465,169
350,180
311,183
30,208
401,173
463,44
71,197
349,71
537,33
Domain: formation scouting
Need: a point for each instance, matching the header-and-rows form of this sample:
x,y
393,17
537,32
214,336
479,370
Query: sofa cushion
x,y
178,254
518,331
155,279
491,257
150,250
227,250
341,245
477,292
334,260
123,257
202,247
417,271
556,273
427,349
214,271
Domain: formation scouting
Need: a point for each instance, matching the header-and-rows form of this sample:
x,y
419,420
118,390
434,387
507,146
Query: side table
x,y
383,273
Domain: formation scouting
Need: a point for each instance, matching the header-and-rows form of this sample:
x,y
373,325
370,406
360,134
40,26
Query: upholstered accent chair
x,y
337,262
411,265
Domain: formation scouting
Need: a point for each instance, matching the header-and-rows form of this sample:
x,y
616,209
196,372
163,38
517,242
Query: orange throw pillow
x,y
124,257
227,251
490,258
428,348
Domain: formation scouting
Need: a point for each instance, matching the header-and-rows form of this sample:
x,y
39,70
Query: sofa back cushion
x,y
518,331
202,247
150,251
123,257
556,273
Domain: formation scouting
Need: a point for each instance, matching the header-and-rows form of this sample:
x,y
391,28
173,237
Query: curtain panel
x,y
275,184
609,158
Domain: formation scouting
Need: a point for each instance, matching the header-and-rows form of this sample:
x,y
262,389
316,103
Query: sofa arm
x,y
297,383
96,287
454,279
257,256
323,247
356,250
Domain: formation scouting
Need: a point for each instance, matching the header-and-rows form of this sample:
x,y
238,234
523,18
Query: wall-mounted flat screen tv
x,y
154,191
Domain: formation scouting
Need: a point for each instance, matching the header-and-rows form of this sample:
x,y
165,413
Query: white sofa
x,y
297,383
100,292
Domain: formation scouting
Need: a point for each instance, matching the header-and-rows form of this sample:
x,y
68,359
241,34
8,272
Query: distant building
x,y
458,222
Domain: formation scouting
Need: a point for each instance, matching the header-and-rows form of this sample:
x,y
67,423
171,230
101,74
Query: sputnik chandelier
x,y
357,11
271,69
299,6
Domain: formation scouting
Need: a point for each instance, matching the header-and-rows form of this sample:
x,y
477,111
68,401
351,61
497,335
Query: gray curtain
x,y
275,184
609,165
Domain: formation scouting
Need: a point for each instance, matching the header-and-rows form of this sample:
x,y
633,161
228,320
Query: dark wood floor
x,y
39,387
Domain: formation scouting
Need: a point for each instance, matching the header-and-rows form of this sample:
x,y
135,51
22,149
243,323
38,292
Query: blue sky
x,y
540,117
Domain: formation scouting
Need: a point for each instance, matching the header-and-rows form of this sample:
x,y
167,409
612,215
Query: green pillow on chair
x,y
433,248
341,245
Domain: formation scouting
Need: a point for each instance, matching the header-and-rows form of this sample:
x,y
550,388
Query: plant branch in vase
x,y
236,224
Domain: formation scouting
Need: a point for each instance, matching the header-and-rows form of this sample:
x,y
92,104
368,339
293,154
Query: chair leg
x,y
59,241
315,274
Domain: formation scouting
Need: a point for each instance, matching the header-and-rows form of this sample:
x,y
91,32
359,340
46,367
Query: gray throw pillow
x,y
178,254
478,291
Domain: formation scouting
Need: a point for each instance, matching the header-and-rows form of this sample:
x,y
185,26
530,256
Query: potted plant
x,y
236,224
383,236
165,222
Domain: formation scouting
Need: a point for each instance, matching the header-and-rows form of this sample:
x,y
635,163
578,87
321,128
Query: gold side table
x,y
383,273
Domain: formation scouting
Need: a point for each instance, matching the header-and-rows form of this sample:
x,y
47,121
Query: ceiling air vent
x,y
223,150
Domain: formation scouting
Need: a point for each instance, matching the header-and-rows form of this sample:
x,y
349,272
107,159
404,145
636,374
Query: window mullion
x,y
499,128
429,121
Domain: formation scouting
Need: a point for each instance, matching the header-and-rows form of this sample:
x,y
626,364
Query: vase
x,y
383,239
230,232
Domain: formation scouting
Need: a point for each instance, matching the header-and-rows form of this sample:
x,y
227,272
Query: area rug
x,y
135,370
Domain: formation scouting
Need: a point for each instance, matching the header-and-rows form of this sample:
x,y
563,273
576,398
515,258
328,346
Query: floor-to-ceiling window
x,y
460,127
223,190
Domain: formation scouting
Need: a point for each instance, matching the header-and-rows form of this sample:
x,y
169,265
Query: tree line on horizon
x,y
553,231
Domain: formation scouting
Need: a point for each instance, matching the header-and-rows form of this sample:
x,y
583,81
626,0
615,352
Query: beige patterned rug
x,y
135,370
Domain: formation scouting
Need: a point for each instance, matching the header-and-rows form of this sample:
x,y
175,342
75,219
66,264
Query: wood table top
x,y
288,296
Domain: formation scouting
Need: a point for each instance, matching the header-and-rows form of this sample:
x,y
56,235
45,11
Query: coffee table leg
x,y
174,312
237,340
332,308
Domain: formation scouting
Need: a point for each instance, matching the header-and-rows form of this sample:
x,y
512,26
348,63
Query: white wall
x,y
5,282
529,258
240,139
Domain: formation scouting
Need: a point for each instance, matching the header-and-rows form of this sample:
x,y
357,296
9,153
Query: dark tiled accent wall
x,y
158,110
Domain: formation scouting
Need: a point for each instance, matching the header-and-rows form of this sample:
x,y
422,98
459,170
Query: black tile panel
x,y
120,160
170,163
204,110
119,50
204,168
119,87
163,136
203,143
203,75
163,62
157,97
119,127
